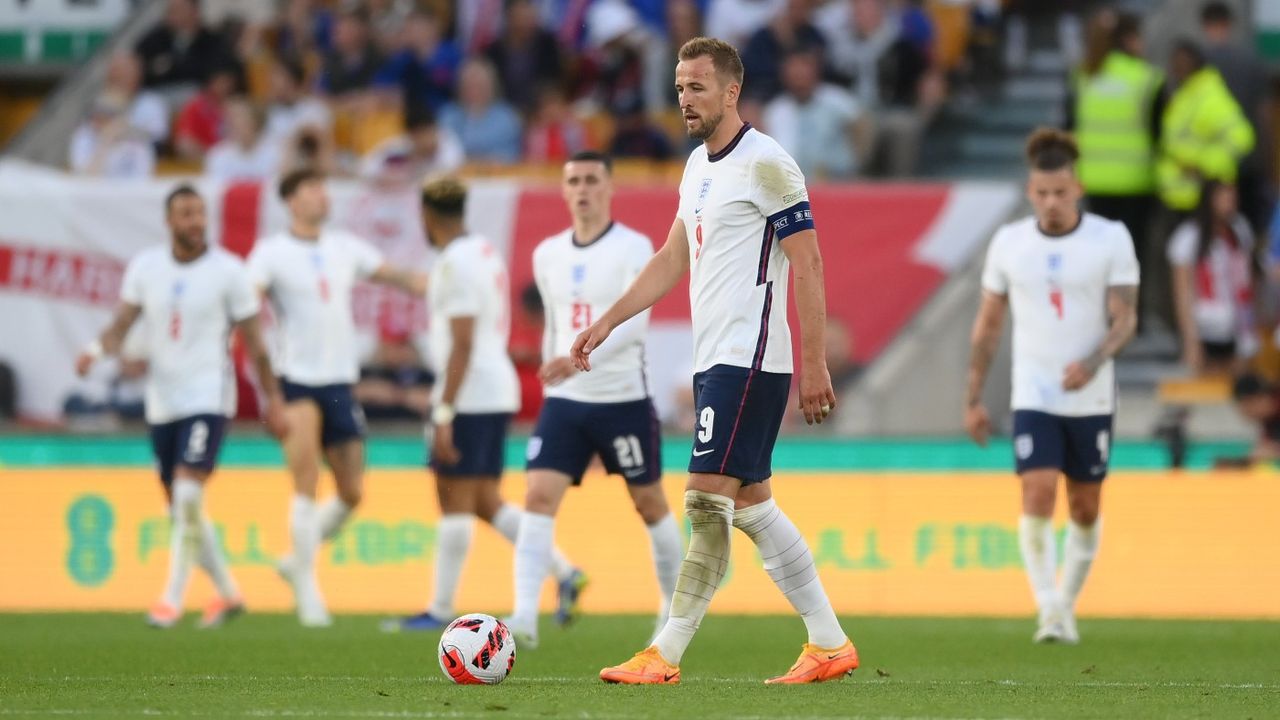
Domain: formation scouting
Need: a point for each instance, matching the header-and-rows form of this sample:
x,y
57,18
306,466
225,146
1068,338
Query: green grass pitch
x,y
265,666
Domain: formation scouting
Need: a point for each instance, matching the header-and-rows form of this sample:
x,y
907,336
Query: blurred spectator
x,y
488,127
1259,402
1114,107
1212,257
526,56
106,145
553,133
526,350
636,137
423,72
1249,81
353,61
737,20
1205,134
312,149
791,30
180,50
305,29
613,70
480,23
200,124
684,22
395,385
819,124
110,394
147,111
245,154
291,107
425,149
389,21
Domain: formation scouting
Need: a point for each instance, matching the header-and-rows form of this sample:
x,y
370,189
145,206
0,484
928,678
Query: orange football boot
x,y
163,616
648,667
219,611
819,665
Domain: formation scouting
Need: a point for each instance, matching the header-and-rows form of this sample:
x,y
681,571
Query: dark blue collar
x,y
593,240
724,152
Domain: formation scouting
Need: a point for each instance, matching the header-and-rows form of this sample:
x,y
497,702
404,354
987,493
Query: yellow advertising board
x,y
1190,545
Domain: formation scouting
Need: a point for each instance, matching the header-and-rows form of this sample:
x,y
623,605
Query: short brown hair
x,y
1051,149
445,196
724,57
295,179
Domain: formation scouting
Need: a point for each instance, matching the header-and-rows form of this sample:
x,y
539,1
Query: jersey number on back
x,y
581,316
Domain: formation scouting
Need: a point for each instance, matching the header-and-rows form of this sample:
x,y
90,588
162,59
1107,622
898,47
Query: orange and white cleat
x,y
219,611
819,665
648,667
163,616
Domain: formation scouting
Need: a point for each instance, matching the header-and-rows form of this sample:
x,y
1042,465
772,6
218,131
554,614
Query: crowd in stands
x,y
847,85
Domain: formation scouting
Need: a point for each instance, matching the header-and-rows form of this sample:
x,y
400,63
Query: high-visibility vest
x,y
1113,126
1203,137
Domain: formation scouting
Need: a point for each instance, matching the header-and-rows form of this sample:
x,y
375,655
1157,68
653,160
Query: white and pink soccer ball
x,y
477,649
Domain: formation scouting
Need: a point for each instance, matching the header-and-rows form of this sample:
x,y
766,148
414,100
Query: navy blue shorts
x,y
193,441
625,435
481,439
341,418
1078,446
739,411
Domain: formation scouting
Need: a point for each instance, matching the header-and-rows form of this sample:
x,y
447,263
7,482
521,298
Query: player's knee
x,y
540,500
1085,514
651,506
351,495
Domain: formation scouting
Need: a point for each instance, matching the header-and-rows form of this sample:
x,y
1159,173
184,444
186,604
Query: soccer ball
x,y
477,649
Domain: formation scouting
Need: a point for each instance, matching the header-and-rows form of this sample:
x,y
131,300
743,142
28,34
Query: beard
x,y
708,127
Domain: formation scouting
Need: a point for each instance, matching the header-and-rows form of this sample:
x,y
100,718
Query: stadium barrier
x,y
1174,545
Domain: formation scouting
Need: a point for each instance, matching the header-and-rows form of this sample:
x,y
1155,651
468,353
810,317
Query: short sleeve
x,y
365,258
777,189
994,278
242,298
1124,261
459,296
1182,245
131,287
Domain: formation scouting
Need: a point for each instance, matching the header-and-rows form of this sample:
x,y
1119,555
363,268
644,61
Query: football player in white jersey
x,y
580,272
743,227
1070,280
189,297
308,272
469,304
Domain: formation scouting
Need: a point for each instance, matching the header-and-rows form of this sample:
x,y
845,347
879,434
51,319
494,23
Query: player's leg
x,y
665,542
1039,446
302,456
164,443
458,496
1087,460
346,460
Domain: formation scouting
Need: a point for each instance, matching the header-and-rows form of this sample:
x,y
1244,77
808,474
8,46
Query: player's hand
x,y
977,423
276,419
556,371
817,397
443,450
587,342
84,363
1077,375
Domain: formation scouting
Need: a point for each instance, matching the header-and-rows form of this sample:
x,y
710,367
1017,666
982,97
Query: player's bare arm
x,y
414,283
984,342
273,414
817,396
1122,309
111,340
463,330
659,275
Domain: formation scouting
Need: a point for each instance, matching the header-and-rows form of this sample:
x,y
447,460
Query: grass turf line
x,y
265,666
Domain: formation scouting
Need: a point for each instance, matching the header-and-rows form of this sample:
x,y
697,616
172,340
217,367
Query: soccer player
x,y
1070,279
742,227
469,303
580,272
308,272
189,297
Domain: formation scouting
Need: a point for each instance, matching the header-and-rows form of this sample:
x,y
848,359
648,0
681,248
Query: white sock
x,y
668,550
507,522
304,532
790,565
214,562
1081,547
533,560
701,571
331,516
184,538
1040,557
453,540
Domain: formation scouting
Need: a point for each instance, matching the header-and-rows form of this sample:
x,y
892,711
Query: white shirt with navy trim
x,y
737,206
188,311
579,281
1057,290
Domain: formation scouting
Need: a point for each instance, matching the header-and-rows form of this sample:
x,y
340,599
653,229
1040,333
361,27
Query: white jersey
x,y
1057,290
469,279
737,207
188,310
578,283
309,283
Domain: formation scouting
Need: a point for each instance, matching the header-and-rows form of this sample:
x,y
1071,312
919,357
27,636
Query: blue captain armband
x,y
792,220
